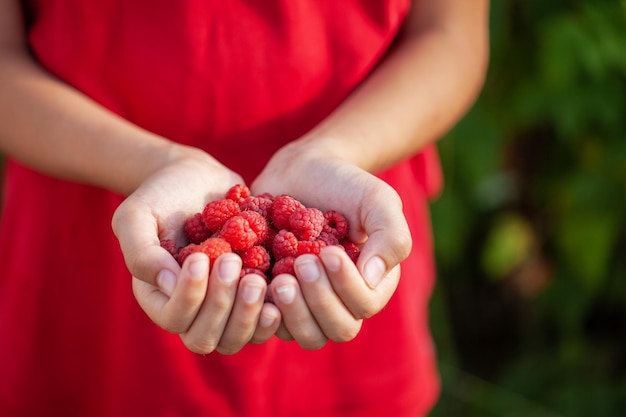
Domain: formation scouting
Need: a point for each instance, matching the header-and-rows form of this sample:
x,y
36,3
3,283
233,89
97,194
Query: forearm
x,y
419,91
53,128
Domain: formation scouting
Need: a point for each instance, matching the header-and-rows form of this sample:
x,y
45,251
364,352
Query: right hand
x,y
216,311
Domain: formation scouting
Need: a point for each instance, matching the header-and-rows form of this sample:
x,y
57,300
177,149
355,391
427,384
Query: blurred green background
x,y
529,313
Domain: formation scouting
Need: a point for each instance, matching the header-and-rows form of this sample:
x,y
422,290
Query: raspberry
x,y
214,247
170,246
351,248
238,233
307,223
267,195
246,271
195,229
282,209
267,232
284,266
328,238
257,223
238,193
269,240
256,257
262,205
310,246
186,251
336,224
285,244
217,212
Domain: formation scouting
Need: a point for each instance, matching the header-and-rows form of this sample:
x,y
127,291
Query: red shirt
x,y
238,79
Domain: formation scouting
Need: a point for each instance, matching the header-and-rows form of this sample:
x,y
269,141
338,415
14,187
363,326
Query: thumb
x,y
137,233
389,242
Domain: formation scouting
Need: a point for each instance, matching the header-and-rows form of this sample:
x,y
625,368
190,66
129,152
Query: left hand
x,y
329,296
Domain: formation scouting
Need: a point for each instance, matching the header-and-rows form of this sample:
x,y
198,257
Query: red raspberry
x,y
214,247
238,193
195,229
217,212
282,209
186,251
246,271
269,240
328,238
262,205
170,246
310,246
307,223
284,266
258,224
256,257
285,244
238,233
351,248
336,224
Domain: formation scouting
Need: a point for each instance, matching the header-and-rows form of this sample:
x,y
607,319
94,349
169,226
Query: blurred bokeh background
x,y
529,313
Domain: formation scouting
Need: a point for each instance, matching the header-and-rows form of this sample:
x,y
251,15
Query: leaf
x,y
585,241
509,242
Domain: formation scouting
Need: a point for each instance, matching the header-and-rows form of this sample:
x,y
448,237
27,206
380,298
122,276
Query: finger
x,y
283,334
176,313
335,320
389,239
244,317
269,323
137,233
361,300
204,334
296,315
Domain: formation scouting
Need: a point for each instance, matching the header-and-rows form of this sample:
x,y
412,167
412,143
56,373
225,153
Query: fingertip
x,y
374,270
197,266
166,281
331,257
269,317
228,267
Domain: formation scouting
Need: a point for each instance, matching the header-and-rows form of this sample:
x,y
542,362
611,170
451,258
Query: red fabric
x,y
223,76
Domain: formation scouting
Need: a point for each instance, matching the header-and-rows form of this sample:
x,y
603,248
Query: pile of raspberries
x,y
267,232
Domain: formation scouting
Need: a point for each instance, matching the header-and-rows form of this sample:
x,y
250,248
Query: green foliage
x,y
530,231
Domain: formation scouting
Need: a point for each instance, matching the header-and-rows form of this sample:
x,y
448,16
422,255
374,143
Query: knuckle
x,y
367,309
173,326
242,323
404,244
314,343
134,264
347,334
200,346
221,305
117,219
228,350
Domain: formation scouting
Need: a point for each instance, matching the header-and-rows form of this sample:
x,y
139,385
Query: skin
x,y
415,95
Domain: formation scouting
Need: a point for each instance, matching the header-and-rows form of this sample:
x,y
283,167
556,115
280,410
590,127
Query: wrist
x,y
155,156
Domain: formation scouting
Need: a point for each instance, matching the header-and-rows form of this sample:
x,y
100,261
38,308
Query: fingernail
x,y
374,270
198,268
286,294
266,321
229,270
251,294
331,262
307,270
166,280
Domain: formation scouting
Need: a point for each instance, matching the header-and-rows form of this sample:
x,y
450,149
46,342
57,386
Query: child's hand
x,y
219,311
329,296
